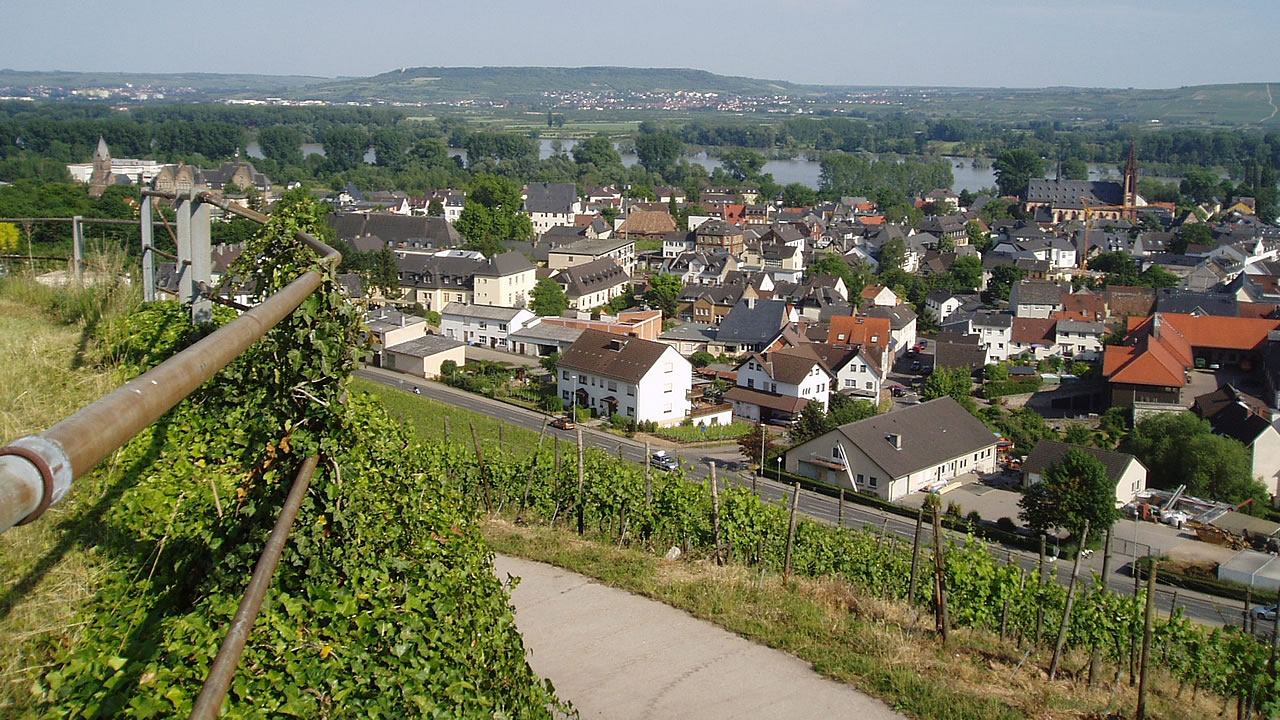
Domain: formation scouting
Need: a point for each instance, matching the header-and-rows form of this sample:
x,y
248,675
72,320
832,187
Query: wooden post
x,y
1066,612
533,466
1275,645
915,555
791,532
484,482
582,517
940,572
620,451
840,512
501,441
1040,581
715,513
648,479
1147,623
1095,654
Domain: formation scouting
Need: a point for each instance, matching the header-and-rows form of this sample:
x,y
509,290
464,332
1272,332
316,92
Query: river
x,y
969,175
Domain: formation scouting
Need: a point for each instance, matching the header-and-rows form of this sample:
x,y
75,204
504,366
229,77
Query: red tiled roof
x,y
859,330
1033,330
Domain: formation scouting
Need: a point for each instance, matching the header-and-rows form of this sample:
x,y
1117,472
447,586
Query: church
x,y
1057,201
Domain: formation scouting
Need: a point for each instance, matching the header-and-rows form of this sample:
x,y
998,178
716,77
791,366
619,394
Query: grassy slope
x,y
48,574
885,649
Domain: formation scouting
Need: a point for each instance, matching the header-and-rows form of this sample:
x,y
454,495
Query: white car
x,y
1264,612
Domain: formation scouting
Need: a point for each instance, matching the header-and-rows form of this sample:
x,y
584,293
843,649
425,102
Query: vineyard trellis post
x,y
840,510
915,555
484,481
1066,610
1095,654
648,477
148,244
715,514
77,249
791,532
533,466
940,571
1040,572
582,516
1147,623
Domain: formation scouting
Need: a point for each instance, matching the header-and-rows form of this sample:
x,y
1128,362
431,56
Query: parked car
x,y
1264,612
917,348
564,422
915,365
898,390
663,461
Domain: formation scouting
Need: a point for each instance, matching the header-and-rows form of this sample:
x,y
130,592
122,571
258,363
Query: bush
x,y
433,318
582,414
1011,387
694,433
1007,525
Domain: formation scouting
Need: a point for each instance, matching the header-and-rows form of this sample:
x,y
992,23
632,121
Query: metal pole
x,y
148,258
209,702
77,248
201,260
182,207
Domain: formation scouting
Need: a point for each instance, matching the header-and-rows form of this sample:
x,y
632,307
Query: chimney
x,y
895,439
1155,325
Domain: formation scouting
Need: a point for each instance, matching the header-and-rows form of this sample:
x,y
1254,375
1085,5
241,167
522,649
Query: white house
x,y
942,303
902,326
995,333
917,448
1079,339
1129,475
618,375
424,355
1035,299
505,280
484,325
551,204
778,383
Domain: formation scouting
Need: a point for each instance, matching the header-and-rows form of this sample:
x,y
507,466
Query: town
x,y
321,407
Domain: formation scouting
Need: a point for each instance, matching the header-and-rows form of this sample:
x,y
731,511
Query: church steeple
x,y
1131,176
102,175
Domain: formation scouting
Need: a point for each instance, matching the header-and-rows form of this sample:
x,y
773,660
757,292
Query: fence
x,y
37,471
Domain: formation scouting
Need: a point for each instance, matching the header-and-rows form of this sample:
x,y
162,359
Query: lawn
x,y
427,420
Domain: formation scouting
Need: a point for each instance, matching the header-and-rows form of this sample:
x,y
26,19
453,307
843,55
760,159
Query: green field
x,y
425,418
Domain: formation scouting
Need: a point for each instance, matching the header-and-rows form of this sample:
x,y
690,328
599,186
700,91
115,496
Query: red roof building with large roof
x,y
1159,351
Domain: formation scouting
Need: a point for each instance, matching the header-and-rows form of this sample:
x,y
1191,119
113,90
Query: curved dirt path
x,y
620,656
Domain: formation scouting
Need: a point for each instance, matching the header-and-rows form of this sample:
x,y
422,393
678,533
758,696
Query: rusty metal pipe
x,y
77,444
209,702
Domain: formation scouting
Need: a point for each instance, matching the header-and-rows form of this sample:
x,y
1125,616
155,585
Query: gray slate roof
x,y
592,277
551,197
747,325
1048,452
613,356
1067,193
407,230
931,432
426,346
504,264
481,312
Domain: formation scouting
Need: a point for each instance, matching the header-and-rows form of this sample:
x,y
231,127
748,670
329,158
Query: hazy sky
x,y
1015,43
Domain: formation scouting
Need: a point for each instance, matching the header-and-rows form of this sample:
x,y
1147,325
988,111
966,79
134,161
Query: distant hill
x,y
428,84
213,84
1240,104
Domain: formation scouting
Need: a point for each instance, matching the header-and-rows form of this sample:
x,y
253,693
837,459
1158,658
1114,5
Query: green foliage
x,y
1071,492
8,237
383,604
664,291
1000,388
658,151
1075,169
741,163
1015,168
700,433
492,215
1181,449
966,274
855,278
1023,426
945,381
548,298
1002,281
281,143
798,195
887,182
550,362
702,358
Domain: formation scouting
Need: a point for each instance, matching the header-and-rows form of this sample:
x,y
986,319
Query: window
x,y
864,368
861,480
869,385
631,390
872,482
564,394
850,383
582,379
631,412
564,374
666,409
751,382
613,386
667,368
502,326
835,452
666,388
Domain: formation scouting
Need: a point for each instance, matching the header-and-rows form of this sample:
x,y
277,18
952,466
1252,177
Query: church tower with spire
x,y
1131,179
102,175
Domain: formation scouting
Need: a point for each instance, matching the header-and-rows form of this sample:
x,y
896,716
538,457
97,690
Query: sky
x,y
982,43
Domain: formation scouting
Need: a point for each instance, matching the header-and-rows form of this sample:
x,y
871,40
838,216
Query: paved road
x,y
620,656
1197,606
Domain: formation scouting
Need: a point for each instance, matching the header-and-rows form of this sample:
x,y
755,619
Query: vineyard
x,y
384,603
613,502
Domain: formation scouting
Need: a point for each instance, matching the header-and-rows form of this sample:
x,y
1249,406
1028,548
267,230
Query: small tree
x,y
663,294
813,421
751,444
549,362
548,298
1073,490
702,358
448,368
